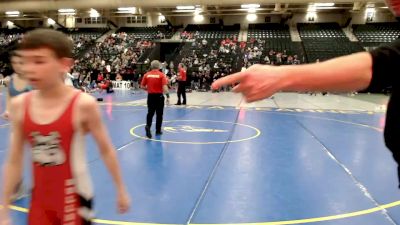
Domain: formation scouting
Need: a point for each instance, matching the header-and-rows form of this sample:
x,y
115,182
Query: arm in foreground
x,y
347,73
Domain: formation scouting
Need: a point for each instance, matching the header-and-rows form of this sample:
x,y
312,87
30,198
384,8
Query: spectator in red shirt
x,y
156,84
181,84
242,45
100,78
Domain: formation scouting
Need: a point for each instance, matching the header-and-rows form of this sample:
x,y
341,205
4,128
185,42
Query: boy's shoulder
x,y
86,100
17,106
18,100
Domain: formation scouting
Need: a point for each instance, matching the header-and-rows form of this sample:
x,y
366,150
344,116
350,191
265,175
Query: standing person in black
x,y
373,70
181,84
156,83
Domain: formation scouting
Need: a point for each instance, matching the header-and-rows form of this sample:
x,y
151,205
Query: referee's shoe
x,y
148,132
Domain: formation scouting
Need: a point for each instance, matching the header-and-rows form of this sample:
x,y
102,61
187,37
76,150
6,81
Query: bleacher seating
x,y
212,27
276,37
212,31
324,41
84,37
217,34
267,31
210,53
374,34
148,33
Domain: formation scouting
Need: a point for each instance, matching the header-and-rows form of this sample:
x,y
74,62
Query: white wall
x,y
185,20
4,24
78,25
228,20
26,23
83,25
67,20
380,16
341,18
122,22
244,23
153,20
320,18
357,18
297,18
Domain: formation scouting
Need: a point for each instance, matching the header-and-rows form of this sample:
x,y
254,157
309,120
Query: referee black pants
x,y
182,92
155,104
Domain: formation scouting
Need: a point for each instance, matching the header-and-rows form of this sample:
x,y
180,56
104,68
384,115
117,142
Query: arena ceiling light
x,y
66,10
185,7
50,21
12,13
251,17
127,10
198,18
325,4
250,6
94,13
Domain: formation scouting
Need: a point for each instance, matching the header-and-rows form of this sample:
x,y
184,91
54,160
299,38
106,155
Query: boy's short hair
x,y
57,41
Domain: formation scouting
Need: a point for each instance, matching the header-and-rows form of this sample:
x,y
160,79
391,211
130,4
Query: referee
x,y
155,82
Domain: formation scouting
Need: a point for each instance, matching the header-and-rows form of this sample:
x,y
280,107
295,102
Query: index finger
x,y
231,79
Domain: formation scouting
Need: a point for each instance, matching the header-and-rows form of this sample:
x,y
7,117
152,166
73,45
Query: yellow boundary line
x,y
285,222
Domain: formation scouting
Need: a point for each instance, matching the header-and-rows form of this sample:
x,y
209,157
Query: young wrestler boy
x,y
54,118
16,85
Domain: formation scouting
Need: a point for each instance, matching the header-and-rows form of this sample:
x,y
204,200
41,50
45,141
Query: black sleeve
x,y
385,67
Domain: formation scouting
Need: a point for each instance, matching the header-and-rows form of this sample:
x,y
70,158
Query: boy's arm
x,y
13,165
6,113
8,98
92,117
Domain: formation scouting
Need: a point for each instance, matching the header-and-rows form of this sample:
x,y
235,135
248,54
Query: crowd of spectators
x,y
256,53
116,56
210,59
